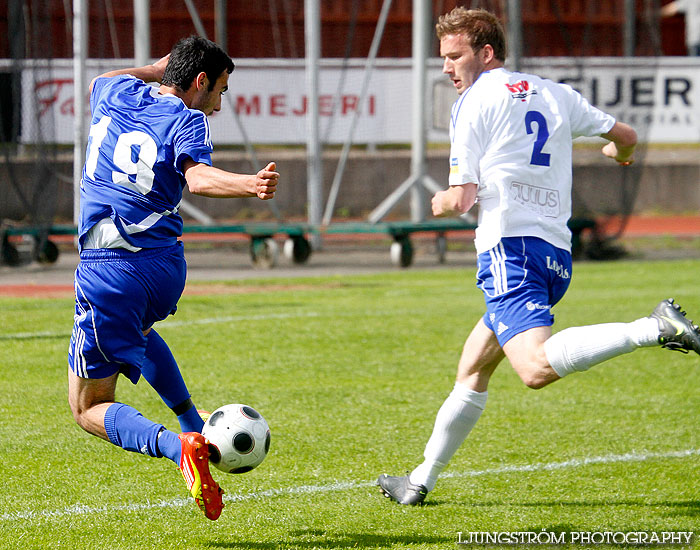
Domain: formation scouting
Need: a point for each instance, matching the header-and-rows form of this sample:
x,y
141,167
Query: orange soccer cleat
x,y
194,465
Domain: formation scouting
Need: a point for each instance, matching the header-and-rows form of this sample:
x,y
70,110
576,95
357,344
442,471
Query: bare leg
x,y
463,407
525,351
480,357
89,400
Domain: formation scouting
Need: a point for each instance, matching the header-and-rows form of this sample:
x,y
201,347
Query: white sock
x,y
455,419
579,348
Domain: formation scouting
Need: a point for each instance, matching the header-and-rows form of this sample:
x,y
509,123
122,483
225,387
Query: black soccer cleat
x,y
677,332
401,490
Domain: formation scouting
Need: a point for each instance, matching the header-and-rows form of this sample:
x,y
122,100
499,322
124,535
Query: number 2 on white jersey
x,y
122,156
538,158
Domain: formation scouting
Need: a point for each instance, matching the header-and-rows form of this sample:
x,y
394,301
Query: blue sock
x,y
160,370
170,446
129,429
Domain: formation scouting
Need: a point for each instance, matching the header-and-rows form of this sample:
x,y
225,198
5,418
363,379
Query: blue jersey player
x,y
511,153
145,144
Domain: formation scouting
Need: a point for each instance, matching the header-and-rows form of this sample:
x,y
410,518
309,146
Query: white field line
x,y
80,509
167,324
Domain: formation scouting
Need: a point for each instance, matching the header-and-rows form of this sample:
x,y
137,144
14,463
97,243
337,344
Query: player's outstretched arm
x,y
623,140
209,181
454,201
147,73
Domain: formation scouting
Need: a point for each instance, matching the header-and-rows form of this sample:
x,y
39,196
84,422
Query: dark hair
x,y
191,56
481,27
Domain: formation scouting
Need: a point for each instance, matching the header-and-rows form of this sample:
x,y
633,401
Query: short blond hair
x,y
481,27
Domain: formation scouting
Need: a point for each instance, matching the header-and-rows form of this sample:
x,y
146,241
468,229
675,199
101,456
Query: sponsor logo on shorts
x,y
501,328
542,200
532,306
560,270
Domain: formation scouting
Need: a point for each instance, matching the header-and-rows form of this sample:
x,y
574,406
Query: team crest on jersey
x,y
521,90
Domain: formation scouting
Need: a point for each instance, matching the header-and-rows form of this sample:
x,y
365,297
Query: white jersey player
x,y
511,152
516,147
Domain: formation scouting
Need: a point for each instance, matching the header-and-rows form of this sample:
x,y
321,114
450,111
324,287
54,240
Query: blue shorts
x,y
118,295
522,278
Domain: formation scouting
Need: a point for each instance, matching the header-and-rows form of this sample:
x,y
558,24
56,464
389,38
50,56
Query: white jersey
x,y
511,135
691,9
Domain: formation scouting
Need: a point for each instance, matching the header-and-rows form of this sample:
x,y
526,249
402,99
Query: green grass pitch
x,y
349,372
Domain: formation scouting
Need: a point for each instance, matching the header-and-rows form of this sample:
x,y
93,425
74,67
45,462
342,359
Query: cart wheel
x,y
441,247
401,252
297,249
264,252
10,254
46,252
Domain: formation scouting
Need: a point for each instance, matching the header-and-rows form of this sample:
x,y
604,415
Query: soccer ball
x,y
239,438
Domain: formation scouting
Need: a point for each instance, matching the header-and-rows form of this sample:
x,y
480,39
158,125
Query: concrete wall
x,y
663,180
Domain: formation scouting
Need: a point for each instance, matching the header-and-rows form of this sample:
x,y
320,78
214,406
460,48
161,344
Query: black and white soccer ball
x,y
239,438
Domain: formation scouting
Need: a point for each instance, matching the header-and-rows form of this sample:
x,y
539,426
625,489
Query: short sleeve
x,y
586,120
98,87
468,144
193,140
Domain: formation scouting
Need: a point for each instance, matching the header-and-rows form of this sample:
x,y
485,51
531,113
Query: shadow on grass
x,y
317,538
688,508
681,507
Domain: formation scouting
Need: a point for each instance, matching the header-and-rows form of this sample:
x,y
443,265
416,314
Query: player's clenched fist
x,y
266,184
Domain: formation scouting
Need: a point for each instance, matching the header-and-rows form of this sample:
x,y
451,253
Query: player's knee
x,y
534,381
78,412
532,367
79,418
533,375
